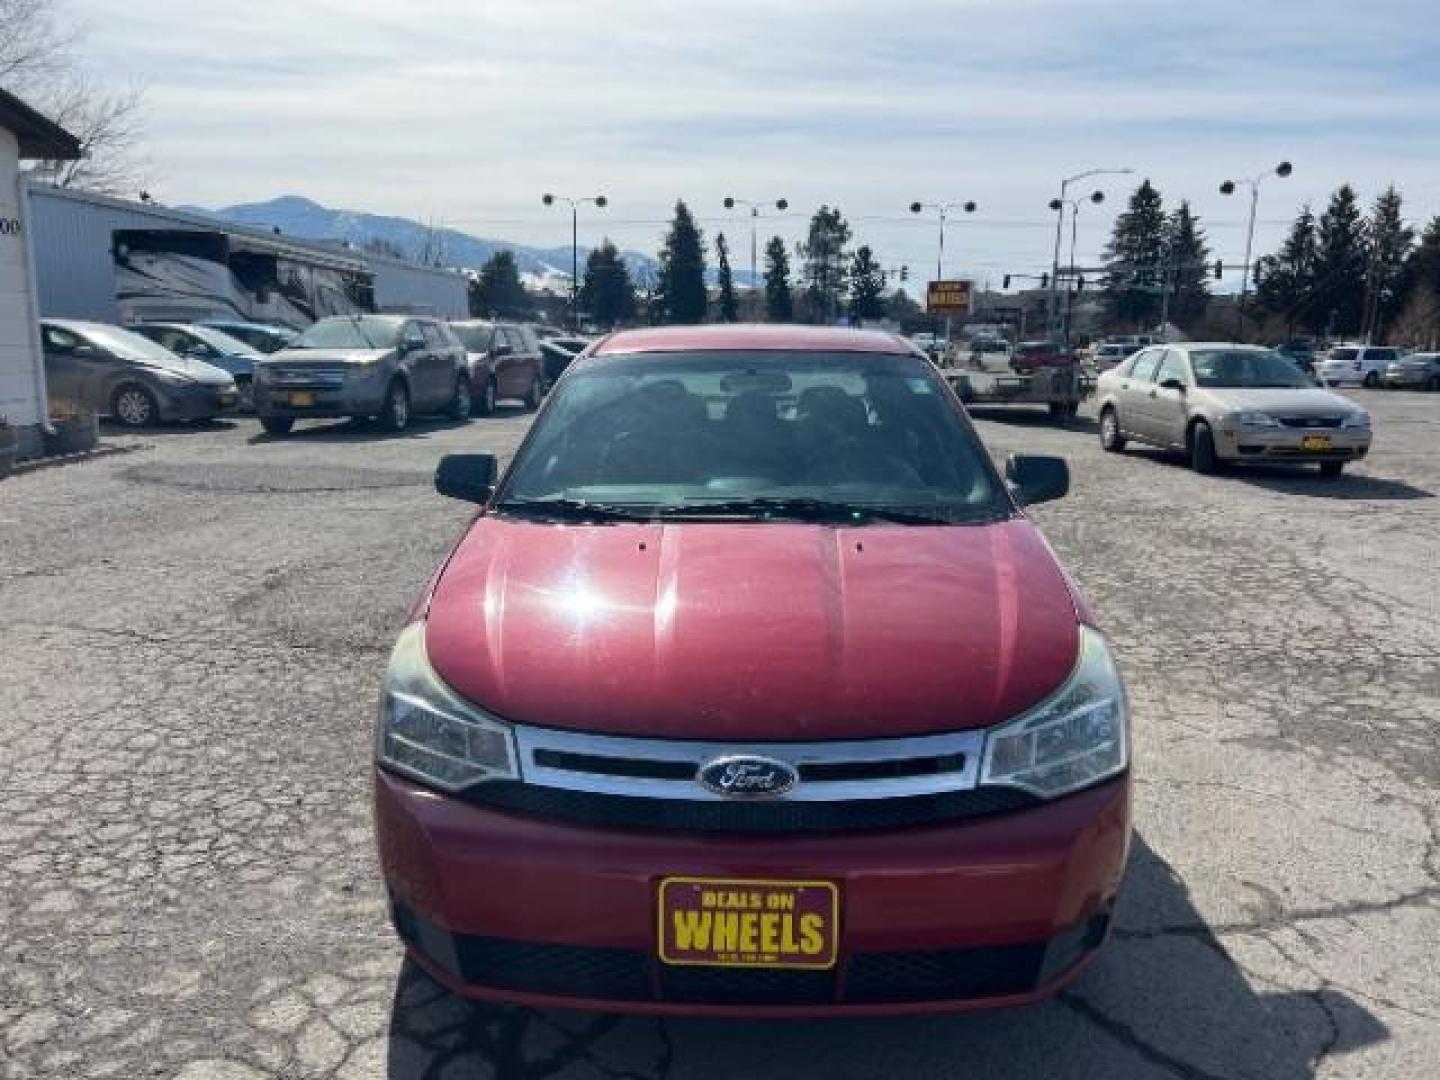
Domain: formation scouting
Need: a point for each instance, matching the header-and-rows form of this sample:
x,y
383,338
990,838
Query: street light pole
x,y
730,203
942,209
1058,205
1282,170
600,201
1097,197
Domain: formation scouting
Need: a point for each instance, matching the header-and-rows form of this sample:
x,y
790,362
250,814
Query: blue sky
x,y
465,113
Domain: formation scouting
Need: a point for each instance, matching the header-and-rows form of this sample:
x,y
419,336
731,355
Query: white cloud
x,y
467,111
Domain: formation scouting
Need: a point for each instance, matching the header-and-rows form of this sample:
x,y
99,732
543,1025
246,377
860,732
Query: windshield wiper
x,y
803,509
571,510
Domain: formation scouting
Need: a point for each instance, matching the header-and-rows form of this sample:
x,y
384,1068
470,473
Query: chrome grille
x,y
307,376
841,771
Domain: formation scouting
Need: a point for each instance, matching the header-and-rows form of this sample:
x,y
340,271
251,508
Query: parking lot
x,y
193,633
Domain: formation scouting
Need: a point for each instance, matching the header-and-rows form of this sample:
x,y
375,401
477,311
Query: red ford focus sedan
x,y
752,690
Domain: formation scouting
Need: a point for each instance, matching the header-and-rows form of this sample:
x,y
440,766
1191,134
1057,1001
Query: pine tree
x,y
1285,281
728,304
1390,241
497,292
1419,323
1339,290
825,264
607,292
1133,260
1188,259
867,286
682,293
779,302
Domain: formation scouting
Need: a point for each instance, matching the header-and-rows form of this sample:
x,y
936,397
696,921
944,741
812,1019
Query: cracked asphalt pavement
x,y
192,632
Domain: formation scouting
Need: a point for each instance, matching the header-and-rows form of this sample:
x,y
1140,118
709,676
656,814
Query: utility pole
x,y
1058,205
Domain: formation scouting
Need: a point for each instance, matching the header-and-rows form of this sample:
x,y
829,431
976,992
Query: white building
x,y
24,133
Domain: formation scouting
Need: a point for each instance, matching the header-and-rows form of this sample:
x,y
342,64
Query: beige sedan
x,y
1223,403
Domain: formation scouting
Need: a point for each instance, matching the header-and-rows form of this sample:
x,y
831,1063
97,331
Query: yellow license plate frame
x,y
303,399
1316,443
762,923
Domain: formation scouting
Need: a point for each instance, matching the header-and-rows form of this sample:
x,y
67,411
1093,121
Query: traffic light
x,y
1044,281
1007,281
904,273
1079,284
1219,269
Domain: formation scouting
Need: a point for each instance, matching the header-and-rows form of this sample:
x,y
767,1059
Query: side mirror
x,y
1037,478
1173,384
470,477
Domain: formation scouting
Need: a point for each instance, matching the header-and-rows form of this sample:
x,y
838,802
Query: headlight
x,y
428,732
1256,420
1076,738
1356,420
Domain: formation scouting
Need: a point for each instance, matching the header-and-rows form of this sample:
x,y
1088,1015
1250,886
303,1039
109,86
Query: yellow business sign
x,y
948,298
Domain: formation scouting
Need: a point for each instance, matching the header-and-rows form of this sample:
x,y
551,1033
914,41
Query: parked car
x,y
213,346
1360,365
383,367
1420,370
558,351
797,711
1223,403
129,377
1031,356
261,336
1109,355
505,362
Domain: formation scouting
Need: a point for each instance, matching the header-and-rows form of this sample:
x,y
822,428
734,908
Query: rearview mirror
x,y
1037,478
470,477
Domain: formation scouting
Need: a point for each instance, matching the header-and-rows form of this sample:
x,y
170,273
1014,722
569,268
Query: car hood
x,y
753,631
316,357
1304,400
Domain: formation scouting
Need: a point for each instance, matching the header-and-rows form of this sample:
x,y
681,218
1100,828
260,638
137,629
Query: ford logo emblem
x,y
743,776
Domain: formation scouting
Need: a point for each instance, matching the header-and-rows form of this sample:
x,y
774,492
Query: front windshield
x,y
222,342
722,433
132,346
1244,368
350,332
474,336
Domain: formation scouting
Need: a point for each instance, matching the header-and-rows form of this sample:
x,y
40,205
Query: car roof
x,y
82,325
756,337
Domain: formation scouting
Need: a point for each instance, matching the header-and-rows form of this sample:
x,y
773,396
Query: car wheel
x,y
1331,470
1434,383
486,405
395,416
460,403
1202,449
134,406
1371,380
1110,438
534,395
277,425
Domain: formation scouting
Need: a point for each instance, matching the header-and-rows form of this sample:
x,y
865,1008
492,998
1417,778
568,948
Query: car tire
x,y
395,416
534,395
1203,458
277,425
1111,441
134,406
1371,380
1331,470
1433,384
460,400
485,403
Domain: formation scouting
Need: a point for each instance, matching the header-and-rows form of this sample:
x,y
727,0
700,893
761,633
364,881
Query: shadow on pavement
x,y
1295,479
197,427
1165,999
358,431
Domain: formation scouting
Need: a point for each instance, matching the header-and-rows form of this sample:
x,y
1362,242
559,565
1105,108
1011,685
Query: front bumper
x,y
364,396
198,401
1268,444
996,910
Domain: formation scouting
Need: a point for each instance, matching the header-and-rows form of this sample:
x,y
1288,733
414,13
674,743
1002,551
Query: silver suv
x,y
382,367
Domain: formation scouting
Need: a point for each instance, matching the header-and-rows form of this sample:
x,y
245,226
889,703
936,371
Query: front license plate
x,y
302,401
725,922
229,399
1315,442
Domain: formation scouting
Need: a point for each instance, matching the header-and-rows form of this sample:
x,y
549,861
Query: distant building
x,y
117,260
